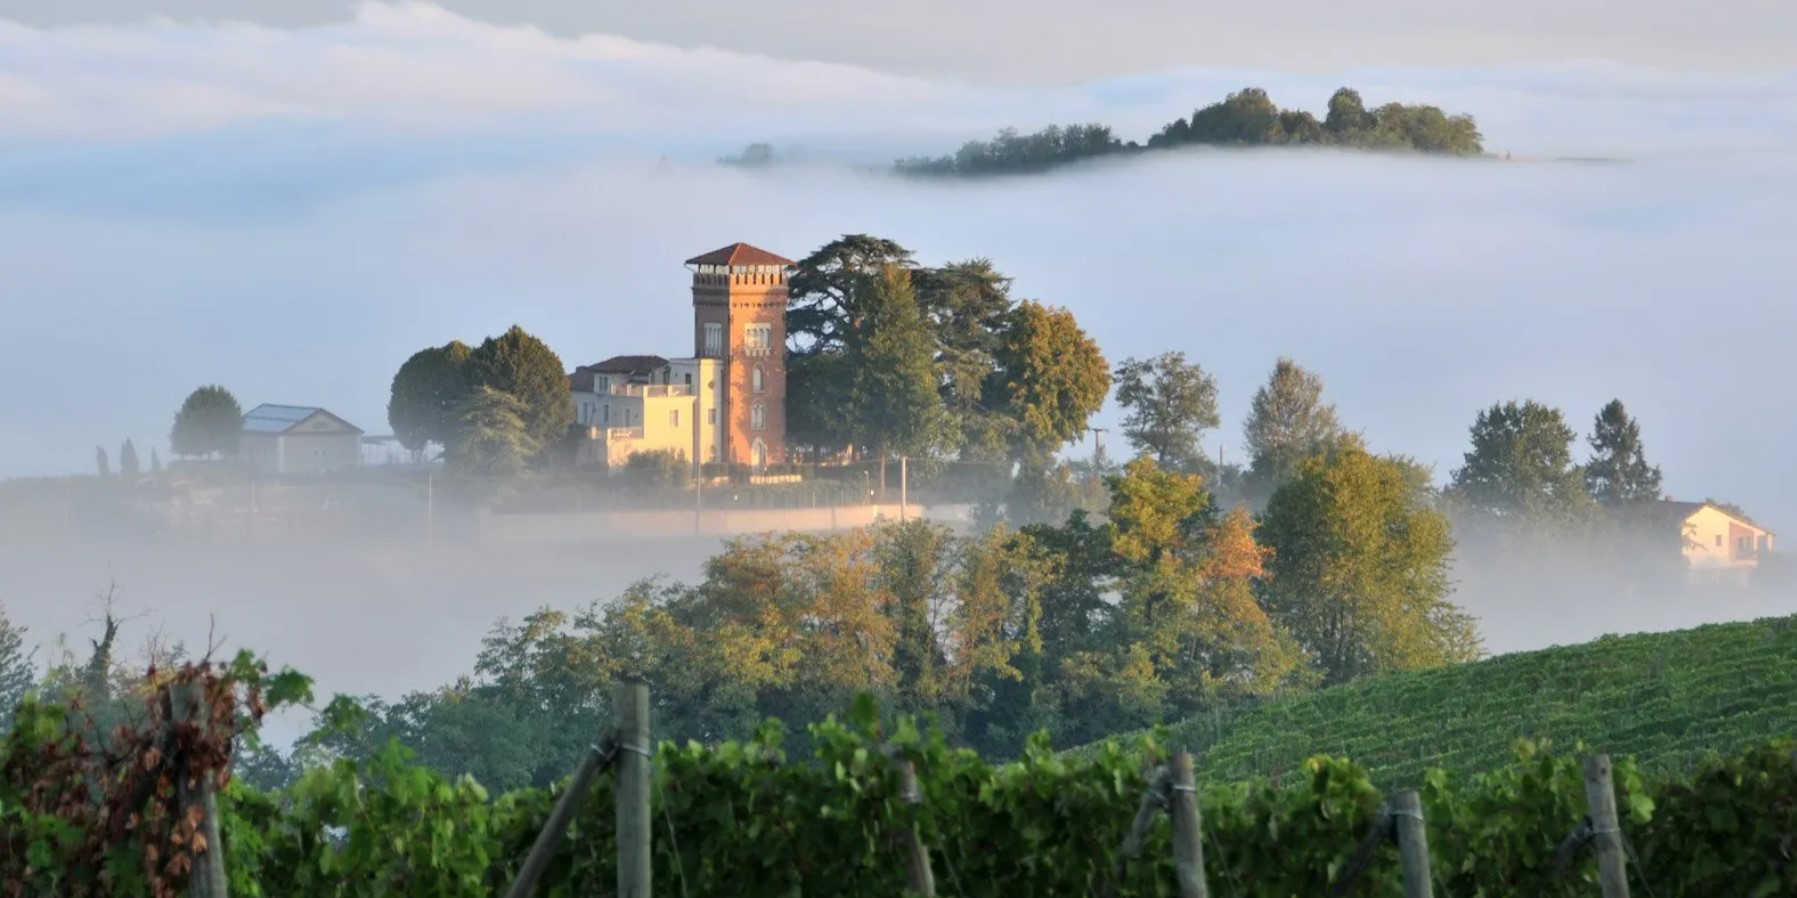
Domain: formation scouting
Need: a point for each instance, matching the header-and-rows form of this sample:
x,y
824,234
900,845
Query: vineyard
x,y
139,816
1667,699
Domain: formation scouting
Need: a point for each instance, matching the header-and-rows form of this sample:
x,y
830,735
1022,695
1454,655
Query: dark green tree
x,y
897,407
1051,380
129,467
967,304
1618,472
155,462
102,463
825,321
1359,573
1171,404
1347,114
1520,467
825,288
524,367
427,392
209,424
494,437
1288,422
820,392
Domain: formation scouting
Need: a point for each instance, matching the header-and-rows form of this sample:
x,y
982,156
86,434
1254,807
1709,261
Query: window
x,y
758,336
603,385
673,417
712,415
757,416
607,418
755,378
1718,540
689,378
714,339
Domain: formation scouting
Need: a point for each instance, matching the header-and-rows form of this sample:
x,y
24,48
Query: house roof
x,y
628,364
1683,510
271,418
740,254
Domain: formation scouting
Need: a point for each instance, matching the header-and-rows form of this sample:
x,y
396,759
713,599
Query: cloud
x,y
418,70
1061,40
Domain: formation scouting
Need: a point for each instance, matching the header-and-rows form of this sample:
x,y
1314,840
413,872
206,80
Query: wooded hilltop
x,y
1246,118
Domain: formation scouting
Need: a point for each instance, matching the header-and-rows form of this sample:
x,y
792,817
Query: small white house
x,y
295,439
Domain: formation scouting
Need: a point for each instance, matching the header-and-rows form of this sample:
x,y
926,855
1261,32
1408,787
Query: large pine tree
x,y
1618,472
898,409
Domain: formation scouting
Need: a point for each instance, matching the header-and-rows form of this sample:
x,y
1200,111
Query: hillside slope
x,y
1665,698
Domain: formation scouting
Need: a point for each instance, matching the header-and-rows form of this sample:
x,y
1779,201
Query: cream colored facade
x,y
1718,541
676,409
293,439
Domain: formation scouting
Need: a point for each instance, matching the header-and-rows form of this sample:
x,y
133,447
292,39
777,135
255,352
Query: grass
x,y
1667,699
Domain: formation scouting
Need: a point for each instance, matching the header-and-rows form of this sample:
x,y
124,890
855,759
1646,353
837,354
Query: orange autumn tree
x,y
1186,629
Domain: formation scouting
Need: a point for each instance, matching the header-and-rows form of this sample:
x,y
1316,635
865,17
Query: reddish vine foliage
x,y
127,816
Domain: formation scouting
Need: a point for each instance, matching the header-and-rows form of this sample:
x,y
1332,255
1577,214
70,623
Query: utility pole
x,y
1098,446
430,509
904,485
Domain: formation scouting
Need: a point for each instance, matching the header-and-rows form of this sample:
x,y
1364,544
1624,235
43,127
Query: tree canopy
x,y
210,423
1618,472
129,466
441,395
1171,404
897,407
1247,117
518,363
1520,466
1006,380
1288,423
17,673
427,392
1359,572
1051,380
493,436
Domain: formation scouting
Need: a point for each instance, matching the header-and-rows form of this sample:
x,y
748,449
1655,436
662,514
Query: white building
x,y
630,404
295,439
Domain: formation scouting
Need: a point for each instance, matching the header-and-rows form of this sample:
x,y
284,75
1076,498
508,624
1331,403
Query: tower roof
x,y
740,254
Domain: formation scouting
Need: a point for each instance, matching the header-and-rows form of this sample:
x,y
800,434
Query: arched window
x,y
758,454
757,416
755,379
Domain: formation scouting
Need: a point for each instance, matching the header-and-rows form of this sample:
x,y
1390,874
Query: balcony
x,y
758,351
652,391
615,434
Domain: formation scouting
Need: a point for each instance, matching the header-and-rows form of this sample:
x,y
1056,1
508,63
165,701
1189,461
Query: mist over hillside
x,y
1422,290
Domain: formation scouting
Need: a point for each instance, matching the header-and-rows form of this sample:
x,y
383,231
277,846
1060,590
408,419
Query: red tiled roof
x,y
740,254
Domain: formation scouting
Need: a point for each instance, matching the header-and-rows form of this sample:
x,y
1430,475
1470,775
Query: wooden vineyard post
x,y
551,836
1188,844
1606,835
208,877
1413,844
918,876
631,711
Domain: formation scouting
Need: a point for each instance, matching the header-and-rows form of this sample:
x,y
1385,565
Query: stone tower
x,y
739,317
